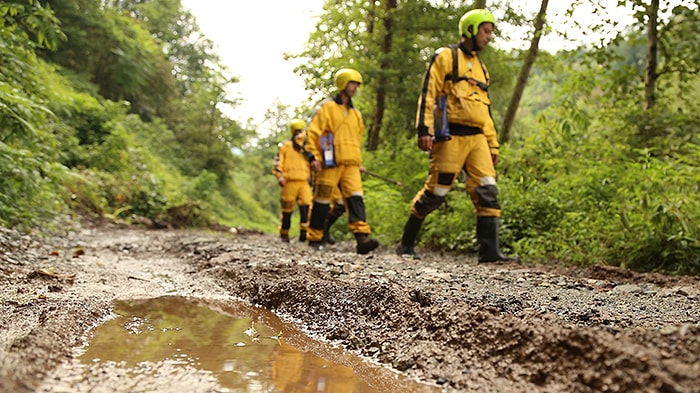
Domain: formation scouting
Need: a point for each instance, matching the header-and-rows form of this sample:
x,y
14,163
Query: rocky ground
x,y
446,320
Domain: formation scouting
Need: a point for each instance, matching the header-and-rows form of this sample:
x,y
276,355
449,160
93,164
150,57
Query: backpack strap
x,y
455,63
455,70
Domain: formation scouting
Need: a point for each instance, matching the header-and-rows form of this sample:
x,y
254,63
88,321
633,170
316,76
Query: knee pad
x,y
445,179
427,203
287,206
323,191
356,209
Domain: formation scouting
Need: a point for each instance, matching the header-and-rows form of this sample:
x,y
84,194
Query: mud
x,y
445,320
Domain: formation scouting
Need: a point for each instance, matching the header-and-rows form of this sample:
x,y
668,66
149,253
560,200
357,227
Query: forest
x,y
118,109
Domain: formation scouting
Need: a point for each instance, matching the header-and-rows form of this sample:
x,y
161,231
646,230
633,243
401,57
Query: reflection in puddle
x,y
247,349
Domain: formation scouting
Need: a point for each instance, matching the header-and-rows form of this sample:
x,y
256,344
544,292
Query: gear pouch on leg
x,y
441,126
328,150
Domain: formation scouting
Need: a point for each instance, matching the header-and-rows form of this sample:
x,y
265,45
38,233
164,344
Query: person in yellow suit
x,y
291,167
334,138
454,124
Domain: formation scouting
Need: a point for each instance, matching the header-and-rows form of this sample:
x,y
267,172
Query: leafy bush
x,y
385,211
602,203
29,177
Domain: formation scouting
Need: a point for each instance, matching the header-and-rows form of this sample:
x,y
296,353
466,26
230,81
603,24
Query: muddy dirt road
x,y
447,321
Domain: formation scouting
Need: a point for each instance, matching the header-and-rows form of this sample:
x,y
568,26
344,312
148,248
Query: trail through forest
x,y
451,323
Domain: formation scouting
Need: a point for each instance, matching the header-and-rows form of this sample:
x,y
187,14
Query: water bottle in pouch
x,y
441,126
328,150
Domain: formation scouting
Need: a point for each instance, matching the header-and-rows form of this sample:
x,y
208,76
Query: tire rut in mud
x,y
445,320
439,331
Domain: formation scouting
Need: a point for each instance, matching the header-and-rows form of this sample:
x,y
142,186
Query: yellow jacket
x,y
290,161
468,104
347,127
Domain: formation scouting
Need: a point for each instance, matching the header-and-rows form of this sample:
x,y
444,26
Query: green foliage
x,y
205,136
116,53
28,188
660,216
198,197
594,178
29,175
603,203
647,223
238,208
354,33
384,208
126,119
64,145
33,22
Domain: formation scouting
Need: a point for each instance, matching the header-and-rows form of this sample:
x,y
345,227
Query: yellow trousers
x,y
348,178
470,153
294,192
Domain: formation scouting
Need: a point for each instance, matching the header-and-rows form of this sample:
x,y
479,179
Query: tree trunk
x,y
524,73
382,82
650,74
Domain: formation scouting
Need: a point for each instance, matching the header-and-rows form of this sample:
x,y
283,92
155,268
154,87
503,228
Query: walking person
x,y
291,167
454,124
334,137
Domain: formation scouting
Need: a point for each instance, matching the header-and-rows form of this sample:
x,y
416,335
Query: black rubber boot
x,y
408,240
487,235
284,227
315,245
303,221
365,244
327,237
337,211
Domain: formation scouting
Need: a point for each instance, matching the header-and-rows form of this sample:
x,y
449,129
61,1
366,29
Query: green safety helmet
x,y
297,125
474,19
345,75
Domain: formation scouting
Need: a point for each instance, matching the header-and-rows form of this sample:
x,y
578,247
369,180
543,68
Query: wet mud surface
x,y
445,320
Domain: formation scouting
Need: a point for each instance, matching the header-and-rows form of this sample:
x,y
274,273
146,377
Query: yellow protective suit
x,y
347,127
292,165
473,140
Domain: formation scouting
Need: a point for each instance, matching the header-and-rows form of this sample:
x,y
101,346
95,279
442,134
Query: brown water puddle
x,y
244,348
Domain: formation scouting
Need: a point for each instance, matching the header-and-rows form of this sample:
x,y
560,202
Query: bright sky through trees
x,y
251,40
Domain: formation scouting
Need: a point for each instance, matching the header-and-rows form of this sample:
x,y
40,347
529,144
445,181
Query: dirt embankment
x,y
445,320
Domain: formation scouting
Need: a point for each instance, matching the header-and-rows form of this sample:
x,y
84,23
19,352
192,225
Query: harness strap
x,y
455,71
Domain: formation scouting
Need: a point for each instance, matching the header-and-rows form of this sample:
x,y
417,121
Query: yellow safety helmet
x,y
345,75
297,125
474,19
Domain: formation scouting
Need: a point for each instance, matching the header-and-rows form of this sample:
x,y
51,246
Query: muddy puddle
x,y
237,347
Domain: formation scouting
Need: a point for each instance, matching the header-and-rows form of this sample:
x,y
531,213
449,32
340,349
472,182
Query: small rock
x,y
628,288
